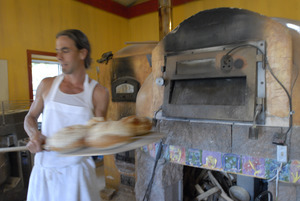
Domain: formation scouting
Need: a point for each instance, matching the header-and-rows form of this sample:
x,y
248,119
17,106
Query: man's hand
x,y
35,143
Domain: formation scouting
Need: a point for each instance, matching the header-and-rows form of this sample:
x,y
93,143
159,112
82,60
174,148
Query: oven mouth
x,y
230,91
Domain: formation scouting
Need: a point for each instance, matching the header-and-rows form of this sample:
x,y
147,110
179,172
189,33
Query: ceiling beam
x,y
132,11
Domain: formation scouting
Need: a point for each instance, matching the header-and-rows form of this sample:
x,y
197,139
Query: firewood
x,y
215,182
208,193
201,176
200,190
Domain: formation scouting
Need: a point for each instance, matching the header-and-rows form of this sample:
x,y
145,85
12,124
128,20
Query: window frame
x,y
30,54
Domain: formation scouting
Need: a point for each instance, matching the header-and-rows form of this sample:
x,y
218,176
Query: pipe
x,y
165,18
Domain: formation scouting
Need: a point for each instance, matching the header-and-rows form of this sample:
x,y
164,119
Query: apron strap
x,y
89,90
56,82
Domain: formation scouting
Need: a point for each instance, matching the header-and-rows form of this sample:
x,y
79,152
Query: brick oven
x,y
221,89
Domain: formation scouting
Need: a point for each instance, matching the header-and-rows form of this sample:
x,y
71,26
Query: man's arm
x,y
100,101
30,122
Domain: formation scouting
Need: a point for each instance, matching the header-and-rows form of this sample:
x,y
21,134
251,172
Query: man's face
x,y
68,55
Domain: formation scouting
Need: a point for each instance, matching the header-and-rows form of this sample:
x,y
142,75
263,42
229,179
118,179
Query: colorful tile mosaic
x,y
246,165
231,163
152,150
295,172
212,160
194,157
253,166
271,167
177,154
166,152
145,148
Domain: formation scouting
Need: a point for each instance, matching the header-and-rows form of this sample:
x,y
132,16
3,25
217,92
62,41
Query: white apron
x,y
64,178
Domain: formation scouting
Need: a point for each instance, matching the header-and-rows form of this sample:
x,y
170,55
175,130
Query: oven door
x,y
202,84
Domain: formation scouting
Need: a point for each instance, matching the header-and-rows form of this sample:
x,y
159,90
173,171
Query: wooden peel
x,y
15,149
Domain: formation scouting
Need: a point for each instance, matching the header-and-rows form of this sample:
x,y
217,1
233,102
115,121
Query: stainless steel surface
x,y
197,85
216,70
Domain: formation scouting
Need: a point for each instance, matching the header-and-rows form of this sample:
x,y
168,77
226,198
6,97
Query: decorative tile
x,y
295,171
177,154
253,166
271,167
152,150
285,172
231,163
193,157
145,148
166,152
212,160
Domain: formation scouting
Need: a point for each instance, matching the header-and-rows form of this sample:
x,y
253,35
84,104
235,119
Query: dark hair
x,y
81,42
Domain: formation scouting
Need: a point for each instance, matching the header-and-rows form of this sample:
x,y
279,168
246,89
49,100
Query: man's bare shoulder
x,y
100,100
45,85
101,90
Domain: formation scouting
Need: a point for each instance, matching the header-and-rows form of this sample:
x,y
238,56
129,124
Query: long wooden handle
x,y
21,148
13,149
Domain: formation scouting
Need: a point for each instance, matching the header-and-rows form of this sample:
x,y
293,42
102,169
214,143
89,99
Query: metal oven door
x,y
218,83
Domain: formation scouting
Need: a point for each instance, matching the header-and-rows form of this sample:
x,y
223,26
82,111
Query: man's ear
x,y
83,53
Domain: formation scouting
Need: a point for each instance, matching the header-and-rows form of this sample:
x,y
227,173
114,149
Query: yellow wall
x,y
144,28
32,24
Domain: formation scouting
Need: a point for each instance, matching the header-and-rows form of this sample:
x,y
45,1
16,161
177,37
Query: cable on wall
x,y
291,112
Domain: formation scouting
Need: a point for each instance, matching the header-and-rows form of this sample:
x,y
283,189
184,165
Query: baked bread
x,y
137,125
109,133
99,133
68,138
95,120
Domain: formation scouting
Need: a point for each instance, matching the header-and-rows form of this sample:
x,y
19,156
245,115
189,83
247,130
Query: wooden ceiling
x,y
129,8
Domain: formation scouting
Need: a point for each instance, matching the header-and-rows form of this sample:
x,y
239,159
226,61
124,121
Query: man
x,y
65,100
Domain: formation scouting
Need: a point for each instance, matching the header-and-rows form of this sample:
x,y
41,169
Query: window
x,y
41,69
40,65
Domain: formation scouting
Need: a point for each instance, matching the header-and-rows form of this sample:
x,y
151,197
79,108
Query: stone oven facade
x,y
222,132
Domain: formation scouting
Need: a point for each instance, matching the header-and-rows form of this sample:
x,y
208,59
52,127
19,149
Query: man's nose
x,y
59,55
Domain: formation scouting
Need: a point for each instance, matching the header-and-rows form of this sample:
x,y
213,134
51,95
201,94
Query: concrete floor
x,y
124,194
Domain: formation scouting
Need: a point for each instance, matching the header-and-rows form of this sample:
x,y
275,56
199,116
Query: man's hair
x,y
81,42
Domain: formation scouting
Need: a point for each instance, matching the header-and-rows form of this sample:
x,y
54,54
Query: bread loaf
x,y
95,120
108,133
68,138
99,133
